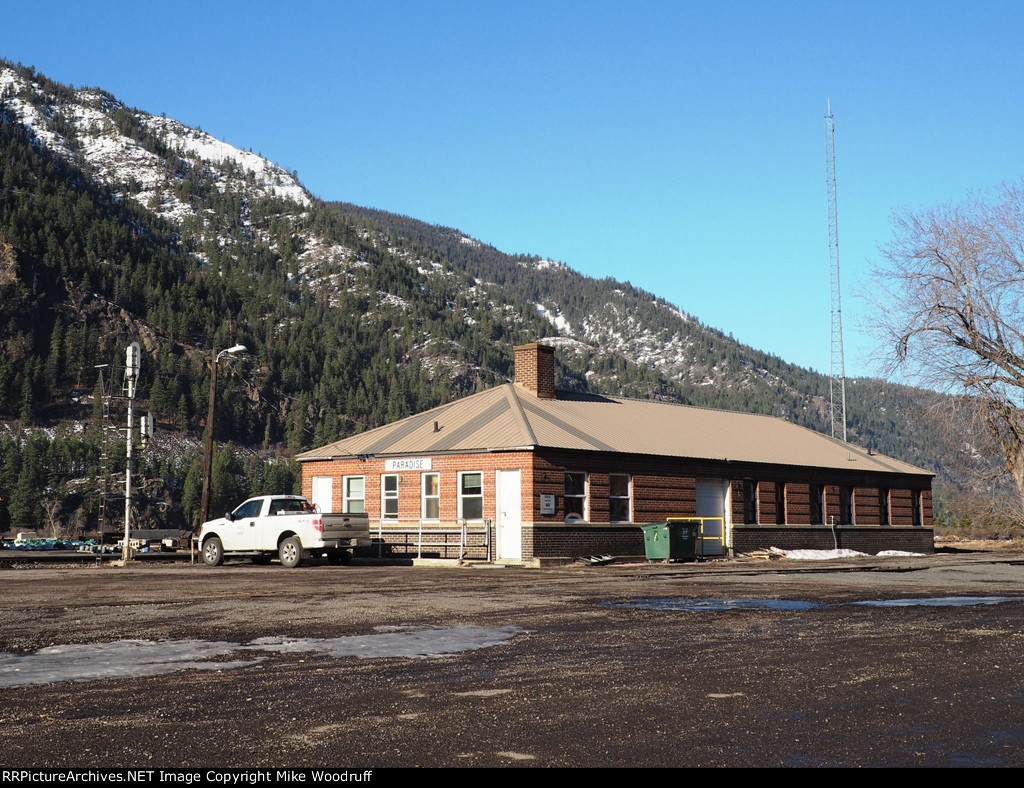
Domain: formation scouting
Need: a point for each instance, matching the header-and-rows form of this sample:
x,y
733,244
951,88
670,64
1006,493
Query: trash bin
x,y
656,541
672,540
683,536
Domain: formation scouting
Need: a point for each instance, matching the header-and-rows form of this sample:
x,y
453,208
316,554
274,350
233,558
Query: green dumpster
x,y
672,540
656,541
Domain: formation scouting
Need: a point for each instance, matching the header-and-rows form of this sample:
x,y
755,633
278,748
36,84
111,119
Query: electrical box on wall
x,y
547,503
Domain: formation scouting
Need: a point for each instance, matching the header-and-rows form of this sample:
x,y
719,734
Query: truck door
x,y
242,533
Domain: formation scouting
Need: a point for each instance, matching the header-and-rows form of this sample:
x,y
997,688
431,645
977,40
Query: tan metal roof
x,y
510,417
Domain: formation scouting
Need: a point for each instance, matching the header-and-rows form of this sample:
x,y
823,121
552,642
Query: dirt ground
x,y
731,663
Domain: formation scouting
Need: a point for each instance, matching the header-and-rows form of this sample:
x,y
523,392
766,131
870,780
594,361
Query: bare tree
x,y
950,301
53,514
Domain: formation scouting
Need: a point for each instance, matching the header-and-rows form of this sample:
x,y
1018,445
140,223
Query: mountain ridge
x,y
354,316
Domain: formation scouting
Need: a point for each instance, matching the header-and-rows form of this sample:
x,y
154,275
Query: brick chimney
x,y
535,369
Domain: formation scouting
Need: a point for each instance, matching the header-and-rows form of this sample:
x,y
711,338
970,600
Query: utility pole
x,y
204,505
131,375
837,372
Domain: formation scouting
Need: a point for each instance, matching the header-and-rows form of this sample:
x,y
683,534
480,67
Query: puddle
x,y
716,605
135,658
941,601
797,605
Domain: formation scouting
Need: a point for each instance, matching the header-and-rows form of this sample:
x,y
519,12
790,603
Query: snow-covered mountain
x,y
146,158
122,147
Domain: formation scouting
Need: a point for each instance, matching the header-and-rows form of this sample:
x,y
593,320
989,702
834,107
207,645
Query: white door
x,y
711,500
323,493
508,515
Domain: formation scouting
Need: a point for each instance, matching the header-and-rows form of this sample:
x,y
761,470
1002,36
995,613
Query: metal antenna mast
x,y
837,382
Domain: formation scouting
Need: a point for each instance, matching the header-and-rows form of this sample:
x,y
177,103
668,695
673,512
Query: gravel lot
x,y
621,665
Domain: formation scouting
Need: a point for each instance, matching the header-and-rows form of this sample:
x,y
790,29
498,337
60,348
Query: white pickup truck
x,y
286,526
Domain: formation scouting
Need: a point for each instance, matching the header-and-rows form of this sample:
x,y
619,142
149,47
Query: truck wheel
x,y
213,552
290,552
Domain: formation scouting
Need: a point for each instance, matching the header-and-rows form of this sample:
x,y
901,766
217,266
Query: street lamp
x,y
204,505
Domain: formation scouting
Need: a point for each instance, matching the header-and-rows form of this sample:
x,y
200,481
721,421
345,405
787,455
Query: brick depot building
x,y
549,474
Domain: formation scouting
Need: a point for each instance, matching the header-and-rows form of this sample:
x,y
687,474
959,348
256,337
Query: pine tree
x,y
228,486
54,369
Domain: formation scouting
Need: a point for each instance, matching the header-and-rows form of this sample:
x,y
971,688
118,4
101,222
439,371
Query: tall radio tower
x,y
837,382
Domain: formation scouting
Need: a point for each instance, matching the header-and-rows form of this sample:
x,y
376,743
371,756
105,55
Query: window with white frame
x,y
619,498
431,496
355,494
575,495
471,495
389,496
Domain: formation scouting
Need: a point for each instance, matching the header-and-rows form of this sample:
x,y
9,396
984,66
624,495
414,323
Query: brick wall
x,y
660,488
864,539
736,511
766,504
798,504
410,483
565,540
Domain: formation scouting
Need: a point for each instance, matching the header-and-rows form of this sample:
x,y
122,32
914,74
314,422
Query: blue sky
x,y
676,145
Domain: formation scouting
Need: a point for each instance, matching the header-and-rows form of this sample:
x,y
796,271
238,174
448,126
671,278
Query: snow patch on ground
x,y
829,555
128,658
